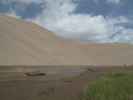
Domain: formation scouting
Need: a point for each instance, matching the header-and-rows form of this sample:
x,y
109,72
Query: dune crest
x,y
24,43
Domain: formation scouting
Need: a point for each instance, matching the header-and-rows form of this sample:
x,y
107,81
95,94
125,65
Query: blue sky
x,y
87,20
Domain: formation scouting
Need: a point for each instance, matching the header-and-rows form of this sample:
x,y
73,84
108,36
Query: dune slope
x,y
24,43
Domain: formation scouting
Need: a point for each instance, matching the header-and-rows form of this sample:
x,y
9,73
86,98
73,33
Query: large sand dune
x,y
24,43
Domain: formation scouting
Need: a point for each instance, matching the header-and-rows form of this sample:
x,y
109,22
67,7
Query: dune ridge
x,y
25,43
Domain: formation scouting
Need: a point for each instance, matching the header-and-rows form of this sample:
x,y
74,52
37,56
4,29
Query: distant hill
x,y
24,43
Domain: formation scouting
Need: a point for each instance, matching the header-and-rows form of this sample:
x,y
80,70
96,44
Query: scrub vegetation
x,y
114,86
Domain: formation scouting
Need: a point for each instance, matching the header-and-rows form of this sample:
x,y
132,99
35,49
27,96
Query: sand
x,y
28,48
25,43
14,85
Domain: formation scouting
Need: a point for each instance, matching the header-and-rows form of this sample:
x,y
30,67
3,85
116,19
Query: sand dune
x,y
24,43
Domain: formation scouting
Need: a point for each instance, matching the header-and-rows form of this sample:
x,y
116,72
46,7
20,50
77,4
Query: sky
x,y
102,21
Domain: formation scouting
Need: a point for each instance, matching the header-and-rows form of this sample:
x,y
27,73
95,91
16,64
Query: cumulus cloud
x,y
11,13
58,16
114,1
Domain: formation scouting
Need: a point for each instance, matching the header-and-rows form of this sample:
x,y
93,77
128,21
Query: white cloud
x,y
12,14
114,1
82,24
58,17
